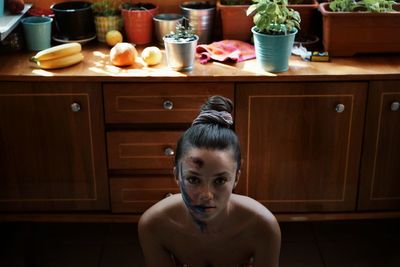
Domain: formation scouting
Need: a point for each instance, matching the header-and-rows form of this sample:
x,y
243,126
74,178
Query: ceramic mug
x,y
37,32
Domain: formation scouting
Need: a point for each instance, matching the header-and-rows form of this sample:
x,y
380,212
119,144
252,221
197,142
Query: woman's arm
x,y
268,244
150,240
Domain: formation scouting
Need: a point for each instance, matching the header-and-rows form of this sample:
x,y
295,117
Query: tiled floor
x,y
309,244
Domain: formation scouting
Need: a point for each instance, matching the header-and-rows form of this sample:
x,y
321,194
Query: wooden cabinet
x,y
52,149
145,120
301,144
380,168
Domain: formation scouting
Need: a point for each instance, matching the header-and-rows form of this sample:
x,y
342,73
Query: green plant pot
x,y
273,51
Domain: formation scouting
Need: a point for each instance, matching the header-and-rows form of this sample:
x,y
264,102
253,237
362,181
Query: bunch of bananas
x,y
59,56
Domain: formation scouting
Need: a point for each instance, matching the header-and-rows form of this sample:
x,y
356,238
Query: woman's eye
x,y
220,181
193,180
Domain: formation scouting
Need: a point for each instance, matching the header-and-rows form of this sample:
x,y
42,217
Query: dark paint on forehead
x,y
198,161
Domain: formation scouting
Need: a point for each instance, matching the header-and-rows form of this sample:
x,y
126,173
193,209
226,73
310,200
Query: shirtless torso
x,y
248,235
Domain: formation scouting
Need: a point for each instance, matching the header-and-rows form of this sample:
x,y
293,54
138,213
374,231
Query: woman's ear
x,y
176,175
236,179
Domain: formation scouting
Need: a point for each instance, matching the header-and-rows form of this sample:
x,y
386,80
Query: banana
x,y
57,51
60,62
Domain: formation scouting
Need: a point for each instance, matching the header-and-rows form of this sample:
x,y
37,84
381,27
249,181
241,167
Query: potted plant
x,y
310,26
235,24
107,17
138,21
366,26
201,15
180,47
275,28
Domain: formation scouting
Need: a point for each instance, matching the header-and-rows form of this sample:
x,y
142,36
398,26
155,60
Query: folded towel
x,y
234,50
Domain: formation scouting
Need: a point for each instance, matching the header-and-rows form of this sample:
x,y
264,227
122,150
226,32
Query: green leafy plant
x,y
235,2
137,6
274,17
362,5
183,32
105,8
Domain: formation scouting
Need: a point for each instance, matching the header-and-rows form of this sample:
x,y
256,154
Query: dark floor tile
x,y
122,234
69,256
122,256
71,233
360,254
297,232
300,254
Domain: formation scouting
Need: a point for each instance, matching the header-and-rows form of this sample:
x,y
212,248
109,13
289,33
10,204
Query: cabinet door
x,y
52,147
380,168
301,144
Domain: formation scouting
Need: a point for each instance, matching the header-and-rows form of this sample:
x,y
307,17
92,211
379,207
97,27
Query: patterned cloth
x,y
234,50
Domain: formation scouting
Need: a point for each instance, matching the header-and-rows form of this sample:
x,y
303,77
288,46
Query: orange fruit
x,y
123,54
113,37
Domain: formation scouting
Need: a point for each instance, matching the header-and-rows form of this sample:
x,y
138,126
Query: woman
x,y
208,225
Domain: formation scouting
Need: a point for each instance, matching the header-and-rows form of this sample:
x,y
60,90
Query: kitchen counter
x,y
96,67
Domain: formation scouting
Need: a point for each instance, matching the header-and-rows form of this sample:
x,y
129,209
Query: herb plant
x,y
362,5
274,17
235,2
105,8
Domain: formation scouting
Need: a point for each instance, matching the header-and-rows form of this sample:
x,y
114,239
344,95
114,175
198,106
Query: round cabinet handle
x,y
75,107
168,104
339,108
169,151
395,106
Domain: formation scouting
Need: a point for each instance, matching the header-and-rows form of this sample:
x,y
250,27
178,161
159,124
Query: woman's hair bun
x,y
216,110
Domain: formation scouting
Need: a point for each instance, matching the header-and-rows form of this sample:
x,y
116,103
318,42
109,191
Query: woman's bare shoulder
x,y
162,212
251,208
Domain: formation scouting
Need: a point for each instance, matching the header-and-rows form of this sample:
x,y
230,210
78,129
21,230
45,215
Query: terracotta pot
x,y
348,33
139,25
236,25
310,19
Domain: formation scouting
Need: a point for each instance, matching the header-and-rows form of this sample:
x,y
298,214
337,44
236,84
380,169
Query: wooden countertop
x,y
96,67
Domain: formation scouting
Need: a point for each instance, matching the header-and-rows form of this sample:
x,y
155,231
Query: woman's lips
x,y
204,209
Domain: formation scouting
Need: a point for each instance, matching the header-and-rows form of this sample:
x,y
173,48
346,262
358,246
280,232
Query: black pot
x,y
74,20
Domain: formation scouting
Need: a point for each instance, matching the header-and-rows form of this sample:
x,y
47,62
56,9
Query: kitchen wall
x,y
165,6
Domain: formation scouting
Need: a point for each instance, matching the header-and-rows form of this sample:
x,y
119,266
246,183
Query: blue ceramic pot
x,y
273,51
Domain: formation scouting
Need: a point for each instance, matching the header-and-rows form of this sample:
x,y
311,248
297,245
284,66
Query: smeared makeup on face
x,y
197,161
188,201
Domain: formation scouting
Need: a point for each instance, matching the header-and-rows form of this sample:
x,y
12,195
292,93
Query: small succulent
x,y
183,32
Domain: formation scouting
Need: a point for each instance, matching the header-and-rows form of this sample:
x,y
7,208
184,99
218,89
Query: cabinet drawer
x,y
139,193
159,102
135,150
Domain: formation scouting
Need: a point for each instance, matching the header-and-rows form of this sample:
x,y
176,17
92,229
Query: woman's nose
x,y
206,193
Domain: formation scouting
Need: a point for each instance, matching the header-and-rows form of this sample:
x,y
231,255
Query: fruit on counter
x,y
59,56
113,37
58,51
123,54
60,62
14,6
152,55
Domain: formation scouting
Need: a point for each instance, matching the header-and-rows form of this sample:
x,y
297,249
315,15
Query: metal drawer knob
x,y
395,106
339,108
168,104
75,107
169,151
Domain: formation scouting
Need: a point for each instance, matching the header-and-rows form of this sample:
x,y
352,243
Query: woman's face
x,y
206,179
